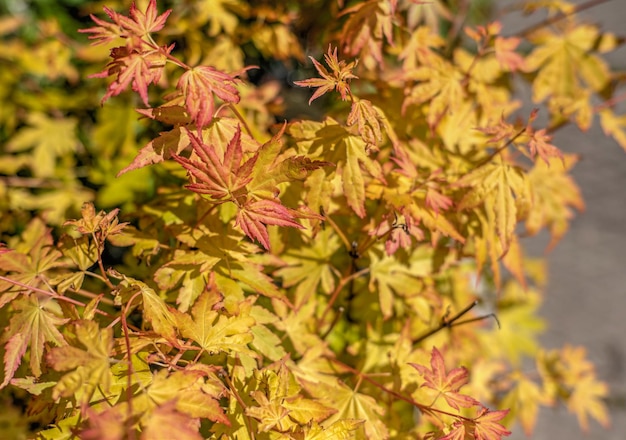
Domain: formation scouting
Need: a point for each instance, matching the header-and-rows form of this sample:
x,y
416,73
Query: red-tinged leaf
x,y
437,201
166,419
486,426
367,24
105,32
107,425
506,55
32,325
368,119
143,23
138,25
539,144
461,430
254,216
221,178
198,85
337,79
138,69
446,383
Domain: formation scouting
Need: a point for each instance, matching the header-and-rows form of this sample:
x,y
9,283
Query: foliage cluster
x,y
350,270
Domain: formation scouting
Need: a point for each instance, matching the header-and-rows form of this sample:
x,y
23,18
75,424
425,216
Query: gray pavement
x,y
585,303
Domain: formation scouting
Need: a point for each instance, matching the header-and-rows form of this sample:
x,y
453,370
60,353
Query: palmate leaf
x,y
198,85
221,178
255,215
155,310
554,194
88,357
337,79
139,23
187,390
500,187
215,332
368,23
166,418
446,383
353,405
48,138
565,63
523,401
332,142
33,324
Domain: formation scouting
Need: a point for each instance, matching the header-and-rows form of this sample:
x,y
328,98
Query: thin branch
x,y
50,294
556,18
454,321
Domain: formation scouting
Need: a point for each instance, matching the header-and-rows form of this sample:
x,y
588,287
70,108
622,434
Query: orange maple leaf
x,y
136,68
446,383
198,85
486,426
220,178
255,215
506,55
138,25
338,79
482,427
539,144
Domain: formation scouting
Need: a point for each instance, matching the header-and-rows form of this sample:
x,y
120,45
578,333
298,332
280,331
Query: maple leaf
x,y
565,60
337,79
506,55
353,405
220,178
215,332
89,357
187,390
29,262
368,118
367,25
255,215
142,23
523,401
138,69
101,225
198,85
539,145
614,125
486,426
49,138
585,393
139,24
33,323
447,384
554,193
155,310
166,419
499,187
309,266
272,168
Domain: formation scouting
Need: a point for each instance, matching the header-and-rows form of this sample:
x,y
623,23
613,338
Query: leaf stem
x,y
50,294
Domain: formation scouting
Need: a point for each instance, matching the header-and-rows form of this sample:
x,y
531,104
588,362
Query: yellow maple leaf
x,y
499,186
614,125
554,193
565,63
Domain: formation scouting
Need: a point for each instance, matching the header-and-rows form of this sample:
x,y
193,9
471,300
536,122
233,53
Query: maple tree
x,y
202,256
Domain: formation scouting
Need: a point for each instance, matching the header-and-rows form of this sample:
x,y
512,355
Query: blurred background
x,y
585,302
